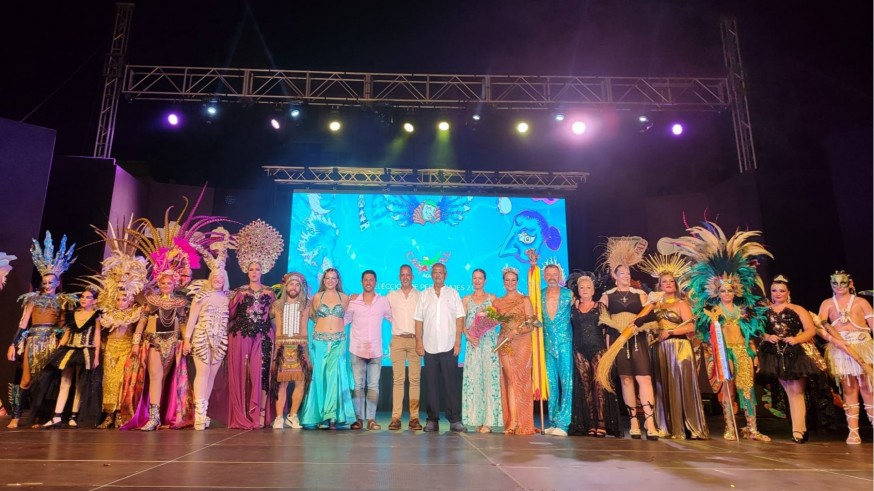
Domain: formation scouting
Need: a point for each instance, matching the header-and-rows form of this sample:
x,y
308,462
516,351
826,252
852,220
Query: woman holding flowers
x,y
481,386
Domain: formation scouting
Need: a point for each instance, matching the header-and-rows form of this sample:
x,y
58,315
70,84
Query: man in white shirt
x,y
439,321
402,349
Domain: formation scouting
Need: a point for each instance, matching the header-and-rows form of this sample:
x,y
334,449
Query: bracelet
x,y
138,337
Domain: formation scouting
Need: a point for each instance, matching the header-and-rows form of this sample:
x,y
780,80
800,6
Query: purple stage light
x,y
274,123
677,129
173,119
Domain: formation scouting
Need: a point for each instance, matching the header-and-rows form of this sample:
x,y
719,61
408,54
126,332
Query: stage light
x,y
559,117
476,117
643,119
275,123
522,127
677,129
409,128
578,127
211,110
334,126
173,119
295,113
443,126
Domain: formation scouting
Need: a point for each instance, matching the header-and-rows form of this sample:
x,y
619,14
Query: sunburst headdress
x,y
259,243
5,267
47,261
122,272
622,251
658,265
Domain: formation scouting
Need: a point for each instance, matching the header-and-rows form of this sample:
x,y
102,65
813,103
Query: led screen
x,y
356,232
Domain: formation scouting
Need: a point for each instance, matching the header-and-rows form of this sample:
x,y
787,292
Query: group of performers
x,y
125,345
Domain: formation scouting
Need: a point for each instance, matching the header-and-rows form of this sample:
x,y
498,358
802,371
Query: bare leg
x,y
867,396
297,396
281,400
511,400
644,384
80,384
64,392
156,376
630,398
201,379
850,387
797,406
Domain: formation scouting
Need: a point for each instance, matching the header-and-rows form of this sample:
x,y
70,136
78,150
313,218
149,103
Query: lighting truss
x,y
175,83
336,177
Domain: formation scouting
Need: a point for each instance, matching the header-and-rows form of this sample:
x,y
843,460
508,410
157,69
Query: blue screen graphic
x,y
356,232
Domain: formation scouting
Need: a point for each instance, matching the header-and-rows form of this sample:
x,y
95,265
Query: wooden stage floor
x,y
343,459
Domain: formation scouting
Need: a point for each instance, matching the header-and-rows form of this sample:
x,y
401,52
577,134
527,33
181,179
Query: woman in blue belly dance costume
x,y
329,398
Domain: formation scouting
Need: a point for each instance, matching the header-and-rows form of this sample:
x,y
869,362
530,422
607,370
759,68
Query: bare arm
x,y
420,346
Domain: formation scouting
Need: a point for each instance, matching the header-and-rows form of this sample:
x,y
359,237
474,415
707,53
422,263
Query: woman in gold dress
x,y
515,356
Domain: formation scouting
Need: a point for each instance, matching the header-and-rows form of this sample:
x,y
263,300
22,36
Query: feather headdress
x,y
123,270
721,261
622,251
259,243
5,267
47,261
171,248
657,265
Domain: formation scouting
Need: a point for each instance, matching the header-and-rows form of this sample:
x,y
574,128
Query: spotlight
x,y
211,110
275,123
559,117
409,128
643,119
295,113
677,129
173,119
443,126
334,126
578,127
522,127
476,117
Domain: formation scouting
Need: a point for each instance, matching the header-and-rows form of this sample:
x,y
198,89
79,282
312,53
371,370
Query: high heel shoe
x,y
799,439
634,432
654,434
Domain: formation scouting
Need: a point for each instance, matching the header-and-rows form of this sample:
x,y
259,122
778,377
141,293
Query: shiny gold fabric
x,y
678,397
115,355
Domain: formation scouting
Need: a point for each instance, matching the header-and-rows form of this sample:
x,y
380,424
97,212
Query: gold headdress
x,y
5,267
45,259
622,251
122,272
259,243
657,265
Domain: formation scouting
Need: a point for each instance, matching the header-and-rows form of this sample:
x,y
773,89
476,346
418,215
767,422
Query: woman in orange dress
x,y
515,356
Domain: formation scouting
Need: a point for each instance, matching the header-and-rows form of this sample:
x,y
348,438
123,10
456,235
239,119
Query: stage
x,y
323,459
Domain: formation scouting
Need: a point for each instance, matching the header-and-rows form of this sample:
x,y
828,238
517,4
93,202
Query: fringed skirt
x,y
841,364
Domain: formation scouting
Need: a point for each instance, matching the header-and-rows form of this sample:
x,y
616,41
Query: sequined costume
x,y
481,380
116,352
209,342
515,356
250,348
40,340
329,398
162,333
782,360
557,334
678,399
593,406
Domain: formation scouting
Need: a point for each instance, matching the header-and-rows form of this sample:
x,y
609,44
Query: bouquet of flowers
x,y
486,320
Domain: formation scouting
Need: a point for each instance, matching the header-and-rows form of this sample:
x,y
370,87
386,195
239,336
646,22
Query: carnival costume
x,y
43,319
726,262
170,249
250,343
122,273
481,380
595,410
207,328
675,371
291,363
558,341
329,397
5,267
782,360
858,339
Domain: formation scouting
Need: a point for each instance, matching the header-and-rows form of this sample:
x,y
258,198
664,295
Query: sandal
x,y
373,425
634,430
854,438
72,424
600,433
650,435
591,432
53,423
357,425
799,436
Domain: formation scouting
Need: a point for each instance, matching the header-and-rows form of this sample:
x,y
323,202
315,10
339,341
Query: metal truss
x,y
112,77
740,111
174,83
420,179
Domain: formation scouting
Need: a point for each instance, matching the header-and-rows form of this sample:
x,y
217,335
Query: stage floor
x,y
296,459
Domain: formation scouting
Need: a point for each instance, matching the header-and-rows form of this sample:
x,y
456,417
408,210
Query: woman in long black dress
x,y
595,411
782,356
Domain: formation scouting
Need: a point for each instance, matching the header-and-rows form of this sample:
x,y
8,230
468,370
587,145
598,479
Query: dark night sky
x,y
809,70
